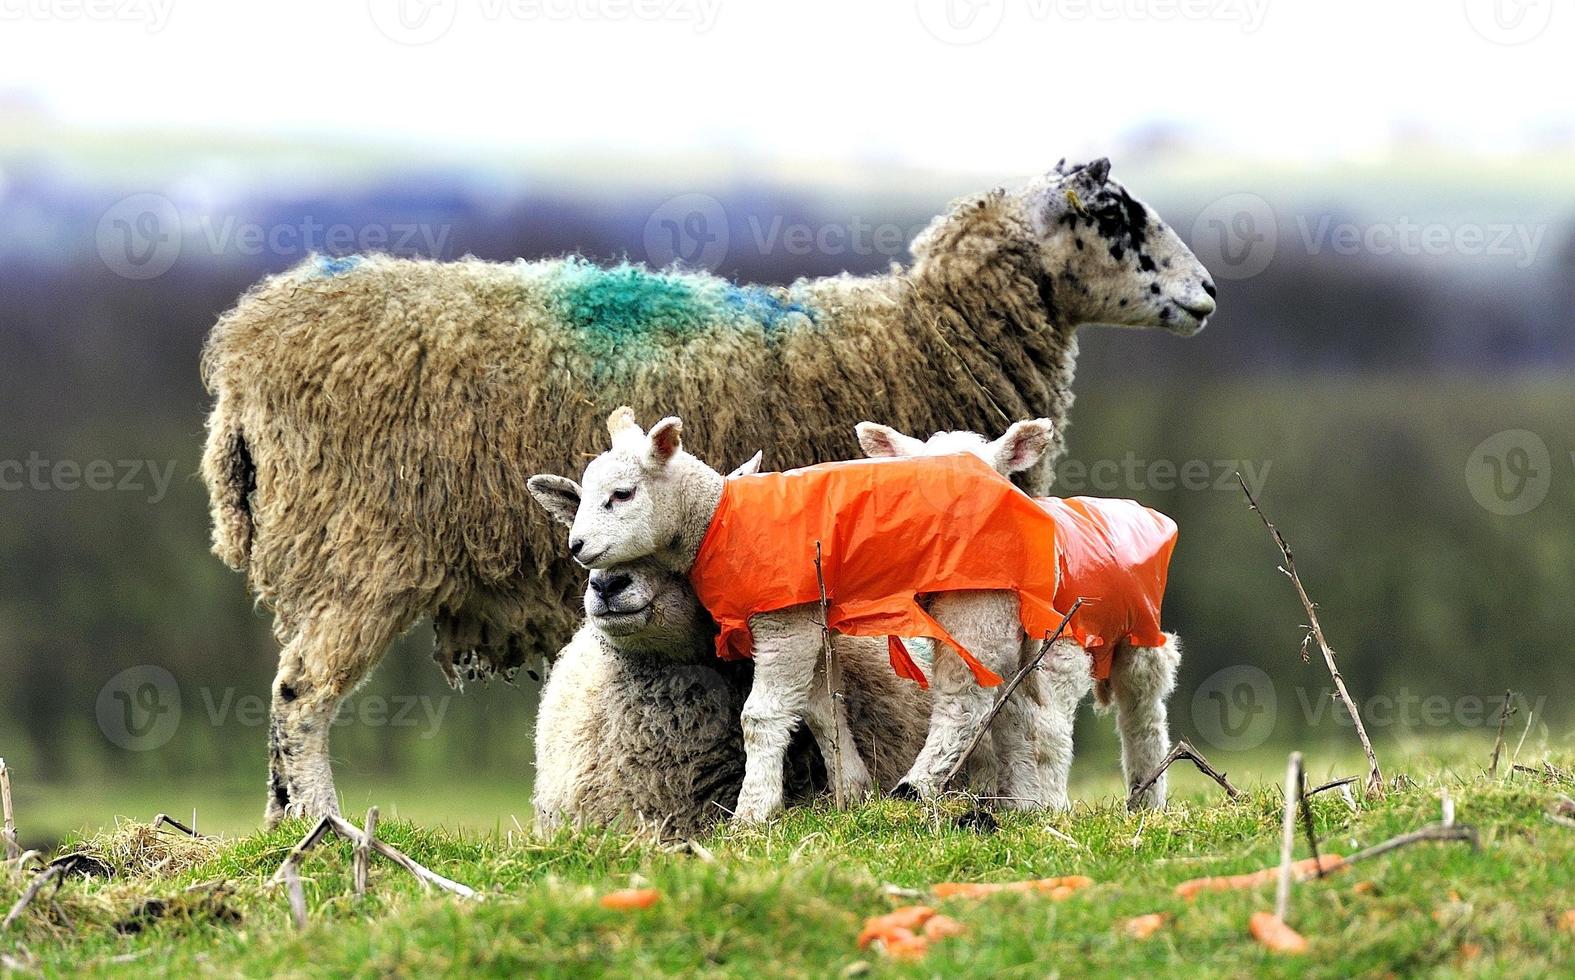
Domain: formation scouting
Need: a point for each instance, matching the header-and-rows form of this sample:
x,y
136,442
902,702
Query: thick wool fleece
x,y
640,738
376,419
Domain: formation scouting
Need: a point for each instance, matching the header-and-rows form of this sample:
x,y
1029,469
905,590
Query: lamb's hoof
x,y
906,791
981,821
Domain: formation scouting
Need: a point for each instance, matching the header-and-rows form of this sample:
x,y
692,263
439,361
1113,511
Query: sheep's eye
x,y
620,496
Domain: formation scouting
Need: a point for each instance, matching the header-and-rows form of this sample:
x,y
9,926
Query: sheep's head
x,y
1111,257
647,610
641,498
1021,448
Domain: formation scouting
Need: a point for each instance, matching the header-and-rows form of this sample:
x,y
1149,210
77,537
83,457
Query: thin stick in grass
x,y
34,887
1375,776
833,687
1006,692
1293,794
1498,740
12,849
363,851
1182,750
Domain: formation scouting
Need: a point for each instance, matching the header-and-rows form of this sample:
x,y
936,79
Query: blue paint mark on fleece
x,y
762,305
331,266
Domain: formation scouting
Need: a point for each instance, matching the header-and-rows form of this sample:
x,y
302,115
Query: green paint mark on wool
x,y
629,310
629,303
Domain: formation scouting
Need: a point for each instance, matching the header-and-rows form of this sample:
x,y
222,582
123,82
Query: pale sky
x,y
952,84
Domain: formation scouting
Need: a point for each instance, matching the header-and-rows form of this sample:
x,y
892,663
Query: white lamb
x,y
1141,678
648,497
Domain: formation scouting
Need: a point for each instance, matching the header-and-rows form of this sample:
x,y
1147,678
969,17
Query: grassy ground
x,y
790,900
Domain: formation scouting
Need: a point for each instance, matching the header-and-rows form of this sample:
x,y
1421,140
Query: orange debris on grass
x,y
1144,926
1567,922
1302,870
631,898
942,927
909,918
906,933
1056,888
1275,935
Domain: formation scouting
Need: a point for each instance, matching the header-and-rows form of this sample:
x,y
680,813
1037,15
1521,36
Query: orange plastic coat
x,y
893,529
1115,556
889,530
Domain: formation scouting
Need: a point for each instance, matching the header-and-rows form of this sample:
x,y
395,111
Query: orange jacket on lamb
x,y
891,530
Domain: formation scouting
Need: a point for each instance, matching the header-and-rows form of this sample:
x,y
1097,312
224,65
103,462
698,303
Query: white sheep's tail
x,y
231,476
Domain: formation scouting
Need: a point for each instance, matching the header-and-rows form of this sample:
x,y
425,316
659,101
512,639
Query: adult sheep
x,y
375,419
639,720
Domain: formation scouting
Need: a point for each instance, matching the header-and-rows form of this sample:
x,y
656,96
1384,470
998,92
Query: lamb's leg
x,y
827,719
331,654
786,645
986,623
1015,730
1141,679
1063,681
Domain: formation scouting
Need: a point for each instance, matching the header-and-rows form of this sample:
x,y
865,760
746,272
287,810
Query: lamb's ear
x,y
1097,172
750,467
558,496
665,439
879,441
1023,445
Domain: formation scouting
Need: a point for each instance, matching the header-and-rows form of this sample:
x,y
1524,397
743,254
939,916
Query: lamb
x,y
648,497
375,419
1140,681
639,721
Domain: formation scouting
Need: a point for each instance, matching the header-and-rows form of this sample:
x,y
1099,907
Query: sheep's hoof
x,y
978,820
905,791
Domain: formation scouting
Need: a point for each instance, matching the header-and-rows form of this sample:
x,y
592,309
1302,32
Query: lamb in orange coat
x,y
1115,555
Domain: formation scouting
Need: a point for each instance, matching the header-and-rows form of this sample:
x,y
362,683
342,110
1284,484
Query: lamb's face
x,y
1112,258
645,608
1023,445
631,504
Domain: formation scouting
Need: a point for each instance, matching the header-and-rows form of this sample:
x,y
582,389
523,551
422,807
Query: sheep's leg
x,y
986,623
1063,682
827,719
1141,680
1015,731
333,652
786,648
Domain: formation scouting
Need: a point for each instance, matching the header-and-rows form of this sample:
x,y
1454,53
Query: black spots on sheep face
x,y
287,693
1145,263
1153,287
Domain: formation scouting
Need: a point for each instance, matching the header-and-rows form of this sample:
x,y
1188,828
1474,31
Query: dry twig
x,y
34,887
833,687
1375,778
12,849
1333,784
1183,750
363,851
1293,795
165,820
1498,741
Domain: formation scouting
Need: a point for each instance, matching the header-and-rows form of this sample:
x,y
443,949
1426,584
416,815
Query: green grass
x,y
790,900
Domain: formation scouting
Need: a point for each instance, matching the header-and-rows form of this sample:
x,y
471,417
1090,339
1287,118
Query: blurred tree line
x,y
1357,387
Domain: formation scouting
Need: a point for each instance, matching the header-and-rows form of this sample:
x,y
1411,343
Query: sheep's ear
x,y
1097,172
665,439
749,467
1023,445
879,441
558,496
